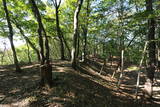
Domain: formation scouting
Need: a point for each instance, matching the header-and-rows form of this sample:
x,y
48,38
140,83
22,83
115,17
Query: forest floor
x,y
85,87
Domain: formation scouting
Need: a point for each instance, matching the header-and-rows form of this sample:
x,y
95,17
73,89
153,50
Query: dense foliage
x,y
109,23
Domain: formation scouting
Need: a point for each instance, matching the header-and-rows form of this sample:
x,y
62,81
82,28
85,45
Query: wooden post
x,y
121,68
140,67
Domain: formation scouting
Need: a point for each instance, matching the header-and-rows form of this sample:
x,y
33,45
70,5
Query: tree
x,y
18,69
27,39
75,34
85,31
151,47
45,68
57,5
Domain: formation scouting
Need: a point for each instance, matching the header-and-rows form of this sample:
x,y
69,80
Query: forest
x,y
79,53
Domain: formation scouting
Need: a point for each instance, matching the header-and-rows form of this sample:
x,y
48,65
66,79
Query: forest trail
x,y
82,88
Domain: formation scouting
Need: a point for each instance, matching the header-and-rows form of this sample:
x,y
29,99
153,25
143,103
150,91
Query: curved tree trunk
x,y
75,34
27,40
18,69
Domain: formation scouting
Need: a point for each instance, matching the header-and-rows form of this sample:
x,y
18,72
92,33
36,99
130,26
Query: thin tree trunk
x,y
59,31
140,67
28,53
121,68
95,47
46,46
45,68
75,34
18,69
59,34
41,42
78,45
85,32
66,44
27,39
122,47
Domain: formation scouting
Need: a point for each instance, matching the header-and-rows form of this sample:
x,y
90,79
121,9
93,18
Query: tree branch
x,y
59,4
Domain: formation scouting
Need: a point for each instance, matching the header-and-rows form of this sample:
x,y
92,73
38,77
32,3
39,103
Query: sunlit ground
x,y
83,88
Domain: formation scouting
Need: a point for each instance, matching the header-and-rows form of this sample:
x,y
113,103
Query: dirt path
x,y
83,88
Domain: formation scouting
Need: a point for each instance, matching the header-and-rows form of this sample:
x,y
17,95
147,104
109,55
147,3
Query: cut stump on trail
x,y
46,75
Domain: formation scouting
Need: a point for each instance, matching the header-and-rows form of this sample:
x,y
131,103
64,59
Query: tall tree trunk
x,y
27,39
151,49
59,34
122,46
18,69
45,68
75,34
46,46
85,32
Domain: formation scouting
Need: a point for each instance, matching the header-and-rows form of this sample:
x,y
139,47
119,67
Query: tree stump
x,y
46,75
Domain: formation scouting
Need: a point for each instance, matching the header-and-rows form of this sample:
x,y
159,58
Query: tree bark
x,y
151,47
57,5
75,34
18,69
41,42
45,68
59,34
85,32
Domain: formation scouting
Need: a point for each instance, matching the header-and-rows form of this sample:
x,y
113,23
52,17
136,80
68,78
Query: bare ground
x,y
82,88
